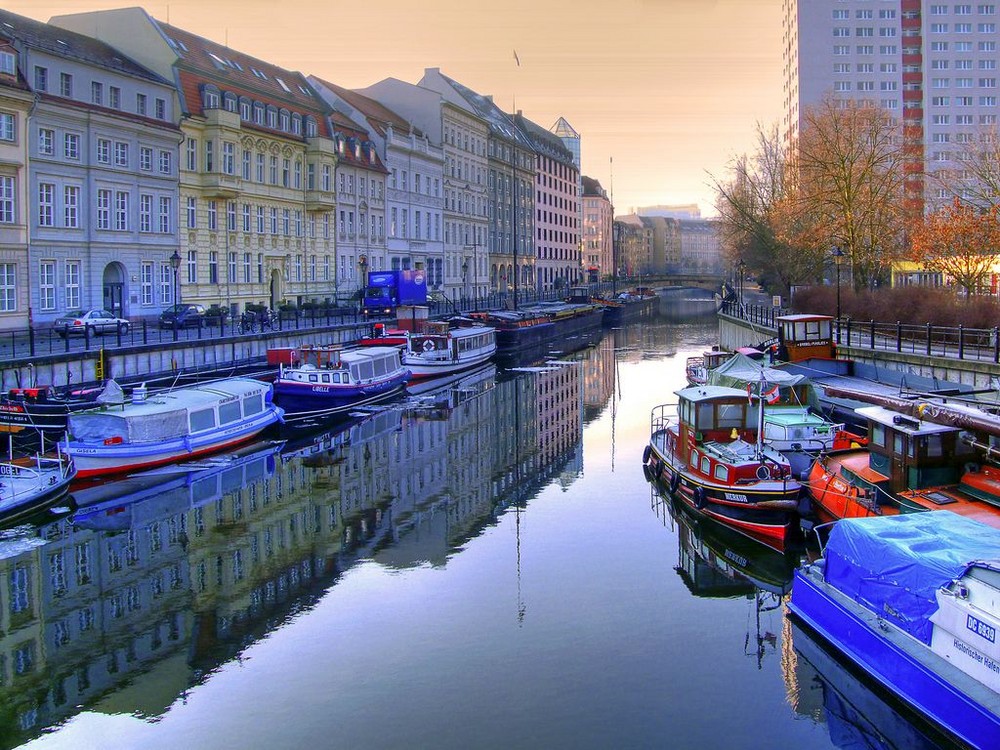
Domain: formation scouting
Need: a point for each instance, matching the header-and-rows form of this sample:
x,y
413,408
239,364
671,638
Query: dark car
x,y
92,322
185,316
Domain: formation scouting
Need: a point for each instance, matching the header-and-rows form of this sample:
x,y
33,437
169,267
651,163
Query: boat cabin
x,y
910,454
803,336
336,366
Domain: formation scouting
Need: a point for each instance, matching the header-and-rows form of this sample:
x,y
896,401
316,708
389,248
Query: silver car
x,y
96,321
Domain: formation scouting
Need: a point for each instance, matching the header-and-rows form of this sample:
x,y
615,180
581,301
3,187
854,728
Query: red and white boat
x,y
439,348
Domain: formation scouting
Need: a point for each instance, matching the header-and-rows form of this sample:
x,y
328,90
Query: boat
x,y
29,485
540,325
328,380
911,601
379,335
709,448
169,426
909,464
696,368
441,348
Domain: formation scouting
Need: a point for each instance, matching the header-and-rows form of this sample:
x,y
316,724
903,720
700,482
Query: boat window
x,y
252,405
878,434
355,373
898,443
380,366
326,378
694,459
706,417
313,378
230,412
730,415
722,473
335,378
365,370
203,419
933,447
706,465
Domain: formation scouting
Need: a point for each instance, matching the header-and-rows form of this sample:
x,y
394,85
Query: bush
x,y
912,305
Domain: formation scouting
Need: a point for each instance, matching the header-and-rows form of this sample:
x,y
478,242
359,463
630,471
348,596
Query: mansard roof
x,y
592,188
544,142
204,62
378,116
71,45
498,121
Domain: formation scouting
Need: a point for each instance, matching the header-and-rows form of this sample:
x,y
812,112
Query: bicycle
x,y
247,324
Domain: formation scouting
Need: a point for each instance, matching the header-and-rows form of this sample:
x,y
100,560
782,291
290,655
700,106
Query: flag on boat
x,y
772,395
749,393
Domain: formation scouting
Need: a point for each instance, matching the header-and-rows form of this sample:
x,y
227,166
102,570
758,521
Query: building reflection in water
x,y
153,583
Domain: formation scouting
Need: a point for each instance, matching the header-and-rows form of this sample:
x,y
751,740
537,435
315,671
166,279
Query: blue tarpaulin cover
x,y
892,565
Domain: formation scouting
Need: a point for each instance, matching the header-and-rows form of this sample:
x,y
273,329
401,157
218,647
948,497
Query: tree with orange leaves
x,y
961,241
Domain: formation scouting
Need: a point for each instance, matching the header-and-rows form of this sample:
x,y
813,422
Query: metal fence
x,y
953,342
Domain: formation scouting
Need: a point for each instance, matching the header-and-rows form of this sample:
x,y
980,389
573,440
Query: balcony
x,y
222,118
220,185
320,201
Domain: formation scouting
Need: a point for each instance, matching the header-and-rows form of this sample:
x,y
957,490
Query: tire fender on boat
x,y
647,472
675,482
646,453
699,497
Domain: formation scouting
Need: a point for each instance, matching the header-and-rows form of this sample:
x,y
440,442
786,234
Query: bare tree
x,y
961,242
849,168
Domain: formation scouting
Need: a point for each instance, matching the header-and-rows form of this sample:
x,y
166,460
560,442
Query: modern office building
x,y
932,65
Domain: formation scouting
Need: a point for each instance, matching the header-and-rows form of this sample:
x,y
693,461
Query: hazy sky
x,y
668,89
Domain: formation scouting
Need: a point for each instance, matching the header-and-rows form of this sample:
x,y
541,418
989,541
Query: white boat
x,y
171,426
29,485
440,349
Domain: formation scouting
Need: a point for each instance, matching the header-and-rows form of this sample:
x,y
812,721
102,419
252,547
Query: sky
x,y
663,92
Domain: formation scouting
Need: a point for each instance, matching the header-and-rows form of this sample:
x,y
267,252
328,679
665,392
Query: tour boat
x,y
169,426
330,379
910,464
709,448
29,485
440,349
913,602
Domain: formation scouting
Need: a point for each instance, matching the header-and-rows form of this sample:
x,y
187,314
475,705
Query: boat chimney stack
x,y
139,394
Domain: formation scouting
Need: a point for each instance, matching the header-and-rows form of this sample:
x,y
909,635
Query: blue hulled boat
x,y
912,600
328,380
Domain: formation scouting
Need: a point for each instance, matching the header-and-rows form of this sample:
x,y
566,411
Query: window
x,y
47,284
161,109
166,162
8,63
115,97
247,267
213,267
41,78
46,141
7,127
191,162
231,217
260,220
121,211
145,213
232,266
260,168
166,210
192,213
104,209
140,104
229,157
71,206
146,283
7,212
192,267
72,284
145,158
121,154
46,201
247,164
246,217
166,284
209,156
213,215
66,85
97,93
8,288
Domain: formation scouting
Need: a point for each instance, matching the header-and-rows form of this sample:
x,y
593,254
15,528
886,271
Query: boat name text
x,y
736,497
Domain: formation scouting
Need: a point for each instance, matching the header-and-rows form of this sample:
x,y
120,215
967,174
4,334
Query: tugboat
x,y
709,449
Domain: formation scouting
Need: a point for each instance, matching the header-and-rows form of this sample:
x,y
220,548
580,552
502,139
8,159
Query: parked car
x,y
184,315
96,321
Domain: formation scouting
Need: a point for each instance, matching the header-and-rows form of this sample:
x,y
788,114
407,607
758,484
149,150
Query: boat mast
x,y
760,418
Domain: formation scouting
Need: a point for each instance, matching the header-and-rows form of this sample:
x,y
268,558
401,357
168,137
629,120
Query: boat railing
x,y
662,417
41,465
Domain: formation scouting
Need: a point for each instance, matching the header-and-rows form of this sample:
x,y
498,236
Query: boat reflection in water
x,y
714,561
156,581
857,714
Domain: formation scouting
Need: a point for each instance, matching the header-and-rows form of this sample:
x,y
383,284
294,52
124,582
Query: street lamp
x,y
465,278
175,264
741,269
838,255
363,280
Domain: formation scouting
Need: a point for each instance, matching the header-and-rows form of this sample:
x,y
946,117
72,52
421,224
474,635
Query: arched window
x,y
311,128
246,107
284,120
296,124
272,117
210,96
258,113
229,101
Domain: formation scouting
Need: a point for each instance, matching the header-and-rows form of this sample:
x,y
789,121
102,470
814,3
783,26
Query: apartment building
x,y
598,253
933,65
257,167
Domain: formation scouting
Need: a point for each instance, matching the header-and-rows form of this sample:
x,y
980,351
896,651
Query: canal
x,y
481,566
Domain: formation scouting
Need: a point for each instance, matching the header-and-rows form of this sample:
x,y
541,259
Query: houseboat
x,y
440,348
540,325
29,485
912,602
169,426
328,380
709,448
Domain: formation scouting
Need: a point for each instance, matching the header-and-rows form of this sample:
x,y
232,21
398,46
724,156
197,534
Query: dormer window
x,y
357,150
258,113
272,117
210,97
8,63
245,107
310,127
296,124
229,102
284,120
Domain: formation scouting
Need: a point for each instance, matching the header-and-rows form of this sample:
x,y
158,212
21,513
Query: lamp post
x,y
838,255
363,280
465,278
741,268
175,264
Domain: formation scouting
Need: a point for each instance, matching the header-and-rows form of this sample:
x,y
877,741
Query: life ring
x,y
763,472
675,482
428,345
699,497
646,453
